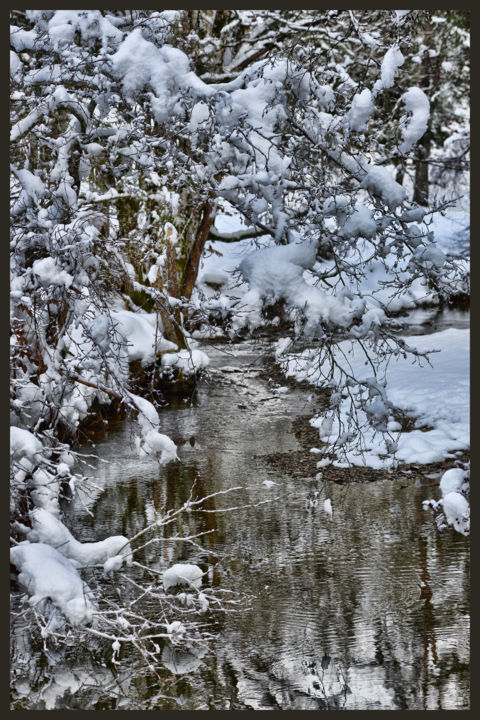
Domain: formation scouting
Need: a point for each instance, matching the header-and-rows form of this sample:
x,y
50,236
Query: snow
x,y
186,360
24,445
91,24
176,630
325,96
362,108
51,531
49,560
269,483
160,445
380,182
32,191
45,489
400,16
140,64
277,273
359,224
436,398
253,171
199,115
282,346
391,63
182,574
452,481
452,230
113,564
151,441
140,338
457,512
142,333
327,506
220,261
47,574
455,489
22,39
414,124
271,274
49,273
414,215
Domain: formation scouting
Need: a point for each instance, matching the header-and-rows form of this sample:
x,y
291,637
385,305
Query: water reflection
x,y
368,609
426,320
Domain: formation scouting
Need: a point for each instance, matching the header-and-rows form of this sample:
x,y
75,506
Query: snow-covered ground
x,y
435,398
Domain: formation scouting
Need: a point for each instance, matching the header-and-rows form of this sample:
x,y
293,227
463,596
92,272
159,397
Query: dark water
x,y
368,609
422,321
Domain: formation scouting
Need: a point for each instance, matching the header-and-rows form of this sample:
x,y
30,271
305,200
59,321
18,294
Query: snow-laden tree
x,y
440,65
129,128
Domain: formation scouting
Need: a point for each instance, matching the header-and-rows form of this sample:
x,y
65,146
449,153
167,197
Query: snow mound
x,y
454,485
151,441
23,444
188,361
47,574
277,273
457,512
362,108
48,273
182,574
142,334
379,181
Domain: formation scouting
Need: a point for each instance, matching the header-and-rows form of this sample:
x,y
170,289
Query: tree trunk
x,y
193,261
430,78
420,192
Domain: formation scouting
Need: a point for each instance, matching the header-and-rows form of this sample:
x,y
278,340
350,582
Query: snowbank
x,y
457,512
277,273
24,446
188,361
437,399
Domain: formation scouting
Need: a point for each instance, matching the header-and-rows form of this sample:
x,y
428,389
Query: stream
x,y
367,609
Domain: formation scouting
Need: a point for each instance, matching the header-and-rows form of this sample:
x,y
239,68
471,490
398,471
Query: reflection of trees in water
x,y
346,589
331,589
338,606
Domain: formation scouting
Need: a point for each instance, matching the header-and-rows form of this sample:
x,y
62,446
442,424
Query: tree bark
x,y
420,193
193,260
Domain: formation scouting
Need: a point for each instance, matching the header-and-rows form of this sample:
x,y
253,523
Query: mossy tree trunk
x,y
177,237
